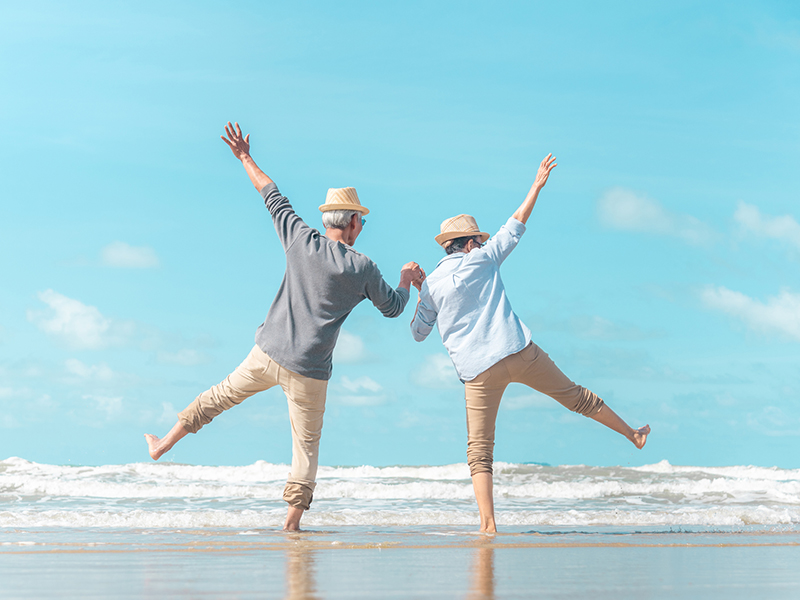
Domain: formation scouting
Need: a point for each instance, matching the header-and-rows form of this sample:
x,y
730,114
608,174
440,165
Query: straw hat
x,y
459,226
343,199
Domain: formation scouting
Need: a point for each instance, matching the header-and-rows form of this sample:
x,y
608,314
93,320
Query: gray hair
x,y
338,219
460,244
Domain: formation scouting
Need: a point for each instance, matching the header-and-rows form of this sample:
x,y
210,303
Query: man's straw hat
x,y
343,199
459,226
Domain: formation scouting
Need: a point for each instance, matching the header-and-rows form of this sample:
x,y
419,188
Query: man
x,y
488,344
324,280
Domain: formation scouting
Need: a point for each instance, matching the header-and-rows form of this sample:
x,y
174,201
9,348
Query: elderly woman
x,y
488,344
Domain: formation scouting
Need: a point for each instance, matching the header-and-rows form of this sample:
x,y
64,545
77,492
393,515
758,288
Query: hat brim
x,y
329,207
451,235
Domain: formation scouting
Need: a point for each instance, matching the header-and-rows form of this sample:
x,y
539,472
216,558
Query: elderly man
x,y
324,280
488,344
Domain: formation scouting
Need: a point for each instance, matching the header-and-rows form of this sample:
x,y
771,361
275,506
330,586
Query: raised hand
x,y
545,167
239,145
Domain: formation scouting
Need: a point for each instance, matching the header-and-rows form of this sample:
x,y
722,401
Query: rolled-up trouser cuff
x,y
480,464
299,494
188,418
591,407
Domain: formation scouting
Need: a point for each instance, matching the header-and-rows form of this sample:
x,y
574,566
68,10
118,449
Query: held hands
x,y
412,273
545,167
239,145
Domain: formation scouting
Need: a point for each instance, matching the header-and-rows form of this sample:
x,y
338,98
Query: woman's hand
x,y
547,165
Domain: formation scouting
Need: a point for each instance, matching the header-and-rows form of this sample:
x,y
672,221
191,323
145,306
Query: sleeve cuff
x,y
268,189
515,227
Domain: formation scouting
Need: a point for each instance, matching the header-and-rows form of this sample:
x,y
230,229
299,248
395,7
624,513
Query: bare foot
x,y
640,436
489,529
293,516
160,446
155,446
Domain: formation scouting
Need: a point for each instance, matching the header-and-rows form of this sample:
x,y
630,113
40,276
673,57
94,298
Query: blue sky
x,y
659,268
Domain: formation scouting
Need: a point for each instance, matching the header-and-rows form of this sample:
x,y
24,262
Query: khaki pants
x,y
531,366
306,399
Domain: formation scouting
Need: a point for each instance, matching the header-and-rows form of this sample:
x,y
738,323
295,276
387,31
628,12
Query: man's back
x,y
324,281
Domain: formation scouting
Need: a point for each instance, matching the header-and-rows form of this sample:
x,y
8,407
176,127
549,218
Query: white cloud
x,y
363,383
779,314
784,228
362,391
623,209
79,325
437,372
83,371
110,405
349,349
125,256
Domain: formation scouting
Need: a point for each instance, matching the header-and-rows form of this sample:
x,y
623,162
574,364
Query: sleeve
x,y
288,225
424,317
386,299
500,246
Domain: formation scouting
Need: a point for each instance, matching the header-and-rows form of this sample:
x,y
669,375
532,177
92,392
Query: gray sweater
x,y
324,281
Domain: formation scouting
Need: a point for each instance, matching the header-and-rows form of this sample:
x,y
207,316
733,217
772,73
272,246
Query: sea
x,y
170,495
173,530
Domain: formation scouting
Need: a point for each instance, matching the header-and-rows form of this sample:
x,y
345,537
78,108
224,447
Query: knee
x,y
587,404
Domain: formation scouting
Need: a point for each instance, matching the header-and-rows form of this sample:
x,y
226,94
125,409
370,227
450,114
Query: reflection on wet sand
x,y
482,587
301,581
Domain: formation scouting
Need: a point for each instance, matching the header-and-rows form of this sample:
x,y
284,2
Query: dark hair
x,y
458,244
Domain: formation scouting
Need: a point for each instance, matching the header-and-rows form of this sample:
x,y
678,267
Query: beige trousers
x,y
531,366
306,398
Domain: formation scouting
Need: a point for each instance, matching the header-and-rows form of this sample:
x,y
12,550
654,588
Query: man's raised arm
x,y
240,146
525,209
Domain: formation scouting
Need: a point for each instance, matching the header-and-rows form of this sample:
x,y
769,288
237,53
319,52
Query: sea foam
x,y
174,495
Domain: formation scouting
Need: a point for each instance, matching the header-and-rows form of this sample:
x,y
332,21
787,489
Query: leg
x,y
256,373
483,486
293,516
610,419
160,446
306,399
483,395
534,368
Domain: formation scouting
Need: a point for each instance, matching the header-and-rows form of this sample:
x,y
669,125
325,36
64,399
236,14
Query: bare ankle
x,y
488,525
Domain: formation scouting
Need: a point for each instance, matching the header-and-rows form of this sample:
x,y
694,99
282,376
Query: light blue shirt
x,y
465,298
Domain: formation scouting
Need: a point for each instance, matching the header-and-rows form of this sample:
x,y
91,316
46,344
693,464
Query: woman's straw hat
x,y
460,226
343,199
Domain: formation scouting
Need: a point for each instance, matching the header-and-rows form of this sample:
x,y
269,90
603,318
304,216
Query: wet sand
x,y
423,562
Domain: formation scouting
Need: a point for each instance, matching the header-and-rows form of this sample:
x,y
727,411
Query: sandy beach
x,y
423,562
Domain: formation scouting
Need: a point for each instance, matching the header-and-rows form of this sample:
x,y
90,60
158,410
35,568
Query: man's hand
x,y
410,273
239,145
547,165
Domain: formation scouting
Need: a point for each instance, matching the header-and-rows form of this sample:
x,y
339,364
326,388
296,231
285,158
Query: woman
x,y
488,344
